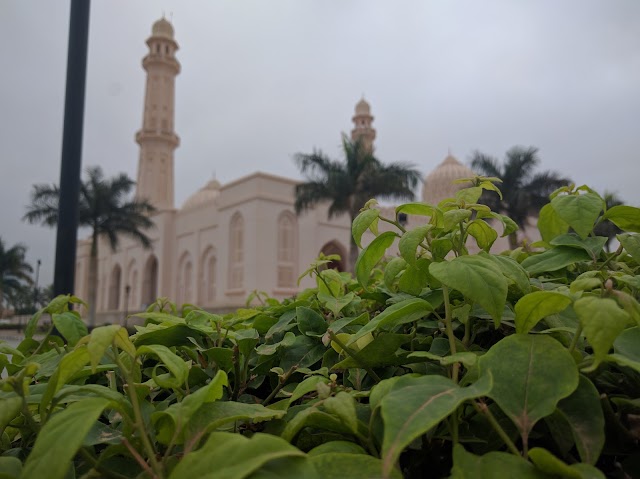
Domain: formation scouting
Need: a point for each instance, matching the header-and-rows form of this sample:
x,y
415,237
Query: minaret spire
x,y
157,138
362,129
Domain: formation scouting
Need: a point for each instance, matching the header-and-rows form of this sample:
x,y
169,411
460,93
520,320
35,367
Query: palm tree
x,y
105,208
14,271
523,192
606,227
349,184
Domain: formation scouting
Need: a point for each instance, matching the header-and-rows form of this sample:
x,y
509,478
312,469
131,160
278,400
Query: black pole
x,y
35,288
67,234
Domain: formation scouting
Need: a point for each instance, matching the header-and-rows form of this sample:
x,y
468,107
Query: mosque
x,y
227,240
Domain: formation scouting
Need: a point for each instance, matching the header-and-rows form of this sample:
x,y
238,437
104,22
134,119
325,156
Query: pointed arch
x,y
149,281
115,283
207,280
287,253
236,251
334,247
185,279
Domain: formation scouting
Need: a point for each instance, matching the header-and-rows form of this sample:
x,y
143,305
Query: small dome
x,y
162,28
439,185
363,108
206,195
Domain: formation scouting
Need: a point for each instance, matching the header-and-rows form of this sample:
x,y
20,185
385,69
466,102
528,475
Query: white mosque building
x,y
227,240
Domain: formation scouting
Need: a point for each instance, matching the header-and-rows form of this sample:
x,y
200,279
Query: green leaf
x,y
10,467
579,211
174,363
453,217
269,349
306,386
409,242
476,277
303,353
391,271
631,243
377,353
554,259
531,374
246,339
550,224
466,358
406,311
592,245
335,304
484,234
212,415
415,278
550,464
340,447
440,248
370,256
362,222
338,465
70,326
102,338
602,320
232,456
469,195
69,366
627,218
535,306
61,437
513,271
310,323
628,343
313,417
9,409
422,209
583,412
343,406
415,405
171,422
494,465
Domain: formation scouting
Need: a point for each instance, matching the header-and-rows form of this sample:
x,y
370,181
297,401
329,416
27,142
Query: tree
x,y
105,208
14,271
523,191
349,184
606,227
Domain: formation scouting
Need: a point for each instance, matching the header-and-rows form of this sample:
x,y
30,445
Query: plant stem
x,y
452,338
139,421
44,340
354,356
281,382
483,409
236,373
94,463
576,336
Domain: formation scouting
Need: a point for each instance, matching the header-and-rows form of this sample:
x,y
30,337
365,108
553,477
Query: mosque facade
x,y
226,240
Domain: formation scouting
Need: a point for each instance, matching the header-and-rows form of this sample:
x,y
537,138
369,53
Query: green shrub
x,y
524,364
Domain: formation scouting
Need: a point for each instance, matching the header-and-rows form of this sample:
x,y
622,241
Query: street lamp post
x,y
127,291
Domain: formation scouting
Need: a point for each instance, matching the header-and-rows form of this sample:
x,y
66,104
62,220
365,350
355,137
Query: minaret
x,y
362,121
157,138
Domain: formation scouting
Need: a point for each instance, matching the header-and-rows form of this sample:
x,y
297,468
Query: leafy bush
x,y
440,363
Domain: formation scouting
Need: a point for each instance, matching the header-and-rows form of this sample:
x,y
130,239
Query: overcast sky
x,y
262,80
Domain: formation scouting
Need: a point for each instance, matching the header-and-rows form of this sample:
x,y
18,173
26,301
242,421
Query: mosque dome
x,y
363,108
206,195
162,28
439,185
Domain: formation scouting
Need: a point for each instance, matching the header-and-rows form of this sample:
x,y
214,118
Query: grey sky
x,y
262,80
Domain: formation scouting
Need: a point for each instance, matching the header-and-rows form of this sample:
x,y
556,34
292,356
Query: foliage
x,y
14,272
524,192
520,364
348,185
105,208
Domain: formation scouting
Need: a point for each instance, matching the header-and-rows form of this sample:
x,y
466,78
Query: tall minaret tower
x,y
157,138
362,129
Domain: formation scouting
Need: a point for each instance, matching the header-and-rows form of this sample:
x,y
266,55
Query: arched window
x,y
287,253
333,247
114,288
236,252
185,279
207,281
150,282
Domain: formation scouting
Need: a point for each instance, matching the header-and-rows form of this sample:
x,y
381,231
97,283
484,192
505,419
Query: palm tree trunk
x,y
93,280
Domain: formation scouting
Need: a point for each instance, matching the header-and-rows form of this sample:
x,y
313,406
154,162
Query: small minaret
x,y
362,121
157,138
